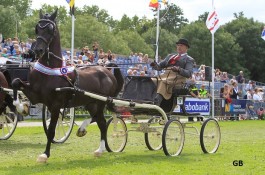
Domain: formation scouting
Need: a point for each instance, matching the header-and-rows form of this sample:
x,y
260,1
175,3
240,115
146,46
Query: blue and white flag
x,y
263,33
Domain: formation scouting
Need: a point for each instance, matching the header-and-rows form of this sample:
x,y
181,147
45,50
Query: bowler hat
x,y
184,42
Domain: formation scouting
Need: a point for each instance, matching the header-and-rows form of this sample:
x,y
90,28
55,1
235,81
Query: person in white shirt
x,y
258,94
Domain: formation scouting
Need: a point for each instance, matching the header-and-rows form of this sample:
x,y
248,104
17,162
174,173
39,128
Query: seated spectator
x,y
140,57
87,56
68,55
202,68
129,72
101,54
142,73
240,78
197,76
249,95
194,92
258,95
135,58
217,76
224,78
233,79
145,59
95,47
261,113
4,53
203,92
109,55
135,72
250,85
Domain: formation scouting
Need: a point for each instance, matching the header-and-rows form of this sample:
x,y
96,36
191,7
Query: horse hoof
x,y
97,154
81,133
42,158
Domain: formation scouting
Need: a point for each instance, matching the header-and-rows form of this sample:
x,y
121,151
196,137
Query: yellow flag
x,y
71,2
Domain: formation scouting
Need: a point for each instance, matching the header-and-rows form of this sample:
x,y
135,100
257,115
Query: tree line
x,y
238,45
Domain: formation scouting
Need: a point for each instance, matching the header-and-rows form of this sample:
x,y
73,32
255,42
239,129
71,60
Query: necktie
x,y
174,59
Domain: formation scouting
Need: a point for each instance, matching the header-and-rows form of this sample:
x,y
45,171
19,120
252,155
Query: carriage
x,y
59,87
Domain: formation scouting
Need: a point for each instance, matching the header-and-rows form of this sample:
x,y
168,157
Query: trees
x,y
247,34
22,6
172,19
9,21
89,30
227,51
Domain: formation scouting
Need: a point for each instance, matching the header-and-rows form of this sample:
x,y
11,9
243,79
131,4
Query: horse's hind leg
x,y
50,136
101,121
82,129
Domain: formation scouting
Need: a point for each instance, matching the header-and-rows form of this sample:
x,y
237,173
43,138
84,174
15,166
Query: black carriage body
x,y
143,90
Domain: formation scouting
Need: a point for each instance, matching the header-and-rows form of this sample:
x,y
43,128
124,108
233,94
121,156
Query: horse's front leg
x,y
17,84
50,136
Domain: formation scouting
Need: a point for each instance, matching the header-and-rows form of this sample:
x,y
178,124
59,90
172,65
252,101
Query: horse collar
x,y
64,70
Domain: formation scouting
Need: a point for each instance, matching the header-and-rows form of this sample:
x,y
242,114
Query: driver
x,y
178,67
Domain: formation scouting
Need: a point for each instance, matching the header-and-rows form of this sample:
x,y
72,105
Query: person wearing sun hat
x,y
179,67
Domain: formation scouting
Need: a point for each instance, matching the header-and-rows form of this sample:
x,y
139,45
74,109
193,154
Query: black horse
x,y
50,72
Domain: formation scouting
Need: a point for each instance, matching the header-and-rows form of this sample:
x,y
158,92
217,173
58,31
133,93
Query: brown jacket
x,y
169,80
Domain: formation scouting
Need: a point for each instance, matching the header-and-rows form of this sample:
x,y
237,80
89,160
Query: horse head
x,y
46,30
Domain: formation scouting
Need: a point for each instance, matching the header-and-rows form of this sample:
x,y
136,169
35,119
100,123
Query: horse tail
x,y
119,78
120,81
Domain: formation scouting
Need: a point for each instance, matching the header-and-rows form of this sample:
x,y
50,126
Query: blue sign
x,y
195,105
238,106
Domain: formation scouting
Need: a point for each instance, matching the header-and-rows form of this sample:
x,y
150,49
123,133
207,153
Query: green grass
x,y
241,140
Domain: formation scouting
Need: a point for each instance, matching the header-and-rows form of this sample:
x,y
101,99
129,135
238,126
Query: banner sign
x,y
195,105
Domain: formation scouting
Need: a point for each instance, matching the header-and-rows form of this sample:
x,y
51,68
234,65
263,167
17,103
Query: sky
x,y
191,8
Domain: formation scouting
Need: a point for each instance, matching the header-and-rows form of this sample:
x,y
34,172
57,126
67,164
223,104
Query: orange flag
x,y
153,3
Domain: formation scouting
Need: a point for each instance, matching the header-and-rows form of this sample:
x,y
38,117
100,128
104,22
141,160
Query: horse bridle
x,y
44,39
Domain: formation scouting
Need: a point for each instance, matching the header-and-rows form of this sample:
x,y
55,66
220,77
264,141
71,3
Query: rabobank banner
x,y
195,105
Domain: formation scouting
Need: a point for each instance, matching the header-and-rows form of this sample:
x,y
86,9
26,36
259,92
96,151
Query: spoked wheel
x,y
153,138
64,125
210,136
116,135
8,124
173,138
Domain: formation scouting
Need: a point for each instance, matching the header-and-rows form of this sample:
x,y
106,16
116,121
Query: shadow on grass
x,y
11,145
91,163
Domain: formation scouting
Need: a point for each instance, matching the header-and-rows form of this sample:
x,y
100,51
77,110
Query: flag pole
x,y
157,32
213,75
72,42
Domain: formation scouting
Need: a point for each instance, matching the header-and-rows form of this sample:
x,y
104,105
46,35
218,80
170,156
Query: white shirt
x,y
257,97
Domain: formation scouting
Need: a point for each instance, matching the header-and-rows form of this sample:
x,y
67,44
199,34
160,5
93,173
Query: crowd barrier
x,y
246,109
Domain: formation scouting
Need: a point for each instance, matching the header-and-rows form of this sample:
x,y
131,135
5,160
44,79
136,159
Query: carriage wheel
x,y
116,135
210,136
153,138
173,138
64,125
8,124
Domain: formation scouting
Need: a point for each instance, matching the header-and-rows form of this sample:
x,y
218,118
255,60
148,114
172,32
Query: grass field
x,y
241,140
